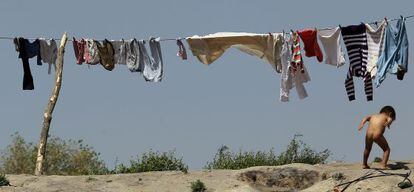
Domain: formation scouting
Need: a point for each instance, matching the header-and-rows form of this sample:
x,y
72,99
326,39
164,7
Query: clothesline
x,y
174,39
373,22
58,39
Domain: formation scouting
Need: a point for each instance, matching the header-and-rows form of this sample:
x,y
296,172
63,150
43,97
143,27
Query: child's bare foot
x,y
385,167
365,167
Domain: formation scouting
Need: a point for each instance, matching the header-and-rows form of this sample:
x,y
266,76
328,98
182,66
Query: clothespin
x,y
386,20
181,49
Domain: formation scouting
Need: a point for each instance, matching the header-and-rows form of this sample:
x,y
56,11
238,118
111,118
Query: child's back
x,y
376,126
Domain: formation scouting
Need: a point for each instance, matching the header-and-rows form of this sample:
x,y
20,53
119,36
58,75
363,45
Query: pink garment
x,y
86,54
79,48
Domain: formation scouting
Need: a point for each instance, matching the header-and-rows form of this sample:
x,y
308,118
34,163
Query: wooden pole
x,y
47,116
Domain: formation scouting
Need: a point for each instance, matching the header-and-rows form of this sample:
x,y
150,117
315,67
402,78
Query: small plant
x,y
377,160
154,161
90,179
4,181
198,186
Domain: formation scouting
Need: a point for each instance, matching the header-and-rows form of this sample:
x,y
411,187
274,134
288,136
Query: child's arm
x,y
364,120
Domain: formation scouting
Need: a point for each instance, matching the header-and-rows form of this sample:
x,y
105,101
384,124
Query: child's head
x,y
388,110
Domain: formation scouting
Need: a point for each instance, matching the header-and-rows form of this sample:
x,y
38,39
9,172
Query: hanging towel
x,y
330,39
79,48
265,46
133,56
290,78
394,58
120,53
26,51
375,39
106,54
309,38
153,65
355,39
48,52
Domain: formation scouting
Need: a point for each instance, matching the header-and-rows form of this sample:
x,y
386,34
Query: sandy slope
x,y
294,177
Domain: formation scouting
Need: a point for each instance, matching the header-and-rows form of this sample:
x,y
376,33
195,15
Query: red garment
x,y
79,48
310,41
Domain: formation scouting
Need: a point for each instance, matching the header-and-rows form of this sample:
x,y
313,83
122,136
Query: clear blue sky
x,y
196,108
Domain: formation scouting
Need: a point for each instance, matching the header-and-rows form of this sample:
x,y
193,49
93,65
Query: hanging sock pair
x,y
394,57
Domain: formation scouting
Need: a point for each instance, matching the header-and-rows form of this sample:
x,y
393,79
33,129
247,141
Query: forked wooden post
x,y
47,116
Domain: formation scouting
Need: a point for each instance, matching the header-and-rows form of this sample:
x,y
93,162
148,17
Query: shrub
x,y
19,157
4,181
62,158
198,186
296,152
225,159
154,161
299,152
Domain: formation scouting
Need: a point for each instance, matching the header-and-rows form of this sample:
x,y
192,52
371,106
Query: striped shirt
x,y
297,62
375,39
355,39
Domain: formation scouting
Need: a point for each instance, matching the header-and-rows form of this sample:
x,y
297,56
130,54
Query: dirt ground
x,y
293,177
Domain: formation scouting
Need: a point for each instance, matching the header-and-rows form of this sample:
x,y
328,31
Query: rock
x,y
281,179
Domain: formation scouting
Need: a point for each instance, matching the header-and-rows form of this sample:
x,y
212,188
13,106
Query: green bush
x,y
296,152
62,158
198,186
154,161
4,181
377,159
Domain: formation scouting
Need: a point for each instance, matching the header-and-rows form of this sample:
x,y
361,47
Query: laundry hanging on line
x,y
394,57
363,44
372,52
132,53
